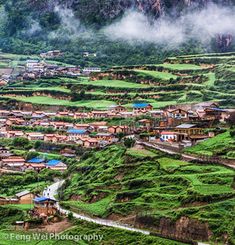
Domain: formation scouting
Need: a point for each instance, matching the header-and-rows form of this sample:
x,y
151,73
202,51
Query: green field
x,y
43,100
181,66
157,74
114,84
131,181
223,143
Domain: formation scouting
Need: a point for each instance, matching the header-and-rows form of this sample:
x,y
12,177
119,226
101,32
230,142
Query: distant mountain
x,y
109,26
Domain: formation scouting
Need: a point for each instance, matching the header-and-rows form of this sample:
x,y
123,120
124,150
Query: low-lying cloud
x,y
70,26
201,25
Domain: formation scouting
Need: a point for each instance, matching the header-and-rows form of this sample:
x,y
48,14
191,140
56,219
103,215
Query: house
x,y
4,113
36,160
117,108
75,134
204,105
146,123
14,134
104,136
35,136
90,143
99,114
88,70
56,165
168,136
7,201
82,126
61,125
141,107
55,138
34,166
13,162
67,152
45,206
34,66
4,153
118,129
25,197
189,131
213,113
156,113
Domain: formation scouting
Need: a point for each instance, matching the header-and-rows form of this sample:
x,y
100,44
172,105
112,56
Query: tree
x,y
129,142
21,142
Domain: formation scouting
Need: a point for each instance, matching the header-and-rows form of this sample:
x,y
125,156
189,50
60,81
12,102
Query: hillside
x,y
150,189
179,80
120,32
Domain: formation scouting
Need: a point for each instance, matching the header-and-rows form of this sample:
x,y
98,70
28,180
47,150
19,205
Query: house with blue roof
x,y
56,165
75,134
142,107
45,206
36,160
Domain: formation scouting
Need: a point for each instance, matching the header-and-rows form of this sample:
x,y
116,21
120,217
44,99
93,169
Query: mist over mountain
x,y
174,25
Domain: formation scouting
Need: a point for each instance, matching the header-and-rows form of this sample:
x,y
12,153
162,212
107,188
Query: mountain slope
x,y
151,189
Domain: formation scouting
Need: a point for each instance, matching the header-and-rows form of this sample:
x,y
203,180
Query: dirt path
x,y
55,227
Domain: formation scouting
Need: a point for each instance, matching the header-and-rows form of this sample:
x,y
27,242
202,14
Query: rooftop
x,y
53,162
186,125
36,160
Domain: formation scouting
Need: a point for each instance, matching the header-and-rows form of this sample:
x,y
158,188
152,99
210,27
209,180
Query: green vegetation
x,y
181,67
114,84
43,100
124,182
221,145
157,74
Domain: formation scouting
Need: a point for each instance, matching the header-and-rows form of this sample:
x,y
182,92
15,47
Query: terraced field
x,y
152,185
183,79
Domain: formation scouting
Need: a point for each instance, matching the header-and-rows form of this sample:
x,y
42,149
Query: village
x,y
176,127
144,114
43,66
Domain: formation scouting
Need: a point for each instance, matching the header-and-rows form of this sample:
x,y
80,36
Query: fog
x,y
201,25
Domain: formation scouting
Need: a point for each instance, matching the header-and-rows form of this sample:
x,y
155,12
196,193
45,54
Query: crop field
x,y
181,66
43,100
114,84
157,74
183,83
223,143
150,181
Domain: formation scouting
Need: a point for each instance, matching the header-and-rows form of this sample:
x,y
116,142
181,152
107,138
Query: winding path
x,y
52,190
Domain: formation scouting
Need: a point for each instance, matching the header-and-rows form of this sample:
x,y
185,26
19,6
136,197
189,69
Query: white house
x,y
168,136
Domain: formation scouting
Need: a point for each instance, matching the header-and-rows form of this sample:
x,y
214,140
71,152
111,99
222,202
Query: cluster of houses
x,y
39,68
12,162
41,206
173,125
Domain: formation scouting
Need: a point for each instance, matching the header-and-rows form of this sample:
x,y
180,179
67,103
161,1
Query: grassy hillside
x,y
118,182
221,145
183,79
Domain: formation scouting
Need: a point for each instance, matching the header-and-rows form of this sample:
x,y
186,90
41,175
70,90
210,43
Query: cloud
x,y
70,26
201,25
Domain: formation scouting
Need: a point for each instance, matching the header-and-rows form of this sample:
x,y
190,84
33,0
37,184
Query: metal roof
x,y
186,125
22,193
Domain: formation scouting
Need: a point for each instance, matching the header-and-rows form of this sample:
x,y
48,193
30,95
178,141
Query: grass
x,y
211,79
169,163
44,100
37,88
157,74
98,208
212,146
140,152
24,207
181,67
114,84
161,185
